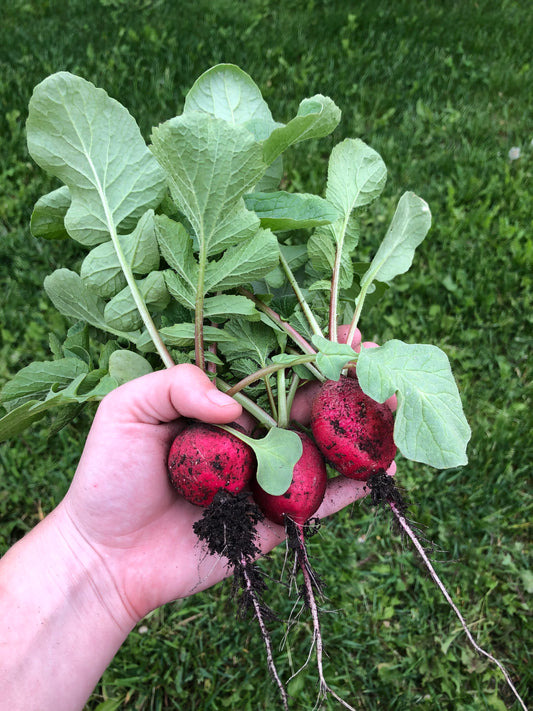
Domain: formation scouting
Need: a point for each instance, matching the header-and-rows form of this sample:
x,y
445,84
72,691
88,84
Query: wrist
x,y
88,574
65,618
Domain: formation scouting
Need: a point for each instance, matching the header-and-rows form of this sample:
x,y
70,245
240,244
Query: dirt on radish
x,y
353,432
204,459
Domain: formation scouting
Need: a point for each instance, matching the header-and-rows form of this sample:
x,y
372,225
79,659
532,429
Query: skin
x,y
117,546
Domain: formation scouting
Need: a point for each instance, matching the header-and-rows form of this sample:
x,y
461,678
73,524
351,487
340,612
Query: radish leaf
x,y
48,216
88,140
210,164
227,92
243,263
356,176
222,306
408,228
121,311
182,334
21,417
127,365
250,340
316,117
276,453
332,357
101,270
35,380
73,299
282,211
430,425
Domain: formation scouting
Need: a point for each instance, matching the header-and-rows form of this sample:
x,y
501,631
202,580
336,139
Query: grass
x,y
442,91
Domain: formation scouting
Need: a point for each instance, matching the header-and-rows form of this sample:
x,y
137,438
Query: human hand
x,y
122,506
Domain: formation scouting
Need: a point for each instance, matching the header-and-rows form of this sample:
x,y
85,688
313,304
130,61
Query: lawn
x,y
442,90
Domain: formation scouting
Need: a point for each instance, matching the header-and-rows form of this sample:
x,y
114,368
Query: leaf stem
x,y
292,392
249,405
283,415
134,288
299,295
199,356
271,398
276,318
365,285
268,370
335,277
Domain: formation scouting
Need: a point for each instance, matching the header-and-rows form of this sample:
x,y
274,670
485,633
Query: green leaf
x,y
227,92
35,380
332,357
243,263
316,117
430,425
101,269
121,313
210,164
356,176
127,365
73,299
238,226
276,453
80,135
48,216
180,289
282,211
408,228
77,343
177,249
249,340
23,416
222,306
295,256
182,334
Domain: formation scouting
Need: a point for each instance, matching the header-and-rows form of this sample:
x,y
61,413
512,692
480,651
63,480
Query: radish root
x,y
312,588
384,490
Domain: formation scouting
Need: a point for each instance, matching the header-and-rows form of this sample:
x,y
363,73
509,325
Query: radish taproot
x,y
353,432
204,459
294,509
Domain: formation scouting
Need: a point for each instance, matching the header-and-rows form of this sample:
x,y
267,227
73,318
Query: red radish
x,y
305,493
204,458
353,432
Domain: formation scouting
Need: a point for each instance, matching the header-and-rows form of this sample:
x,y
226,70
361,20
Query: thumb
x,y
165,395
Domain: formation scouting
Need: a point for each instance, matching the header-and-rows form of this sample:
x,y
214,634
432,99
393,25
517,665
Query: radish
x,y
304,495
204,459
294,509
353,432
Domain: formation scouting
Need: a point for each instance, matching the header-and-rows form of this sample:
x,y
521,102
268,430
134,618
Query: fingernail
x,y
219,398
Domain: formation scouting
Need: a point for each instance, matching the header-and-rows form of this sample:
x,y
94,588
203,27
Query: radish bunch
x,y
196,254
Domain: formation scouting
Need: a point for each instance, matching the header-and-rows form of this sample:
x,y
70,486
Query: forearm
x,y
61,620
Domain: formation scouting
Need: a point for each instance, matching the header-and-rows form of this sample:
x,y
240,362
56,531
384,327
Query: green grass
x,y
442,90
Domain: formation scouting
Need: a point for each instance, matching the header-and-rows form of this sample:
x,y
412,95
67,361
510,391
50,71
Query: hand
x,y
121,504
